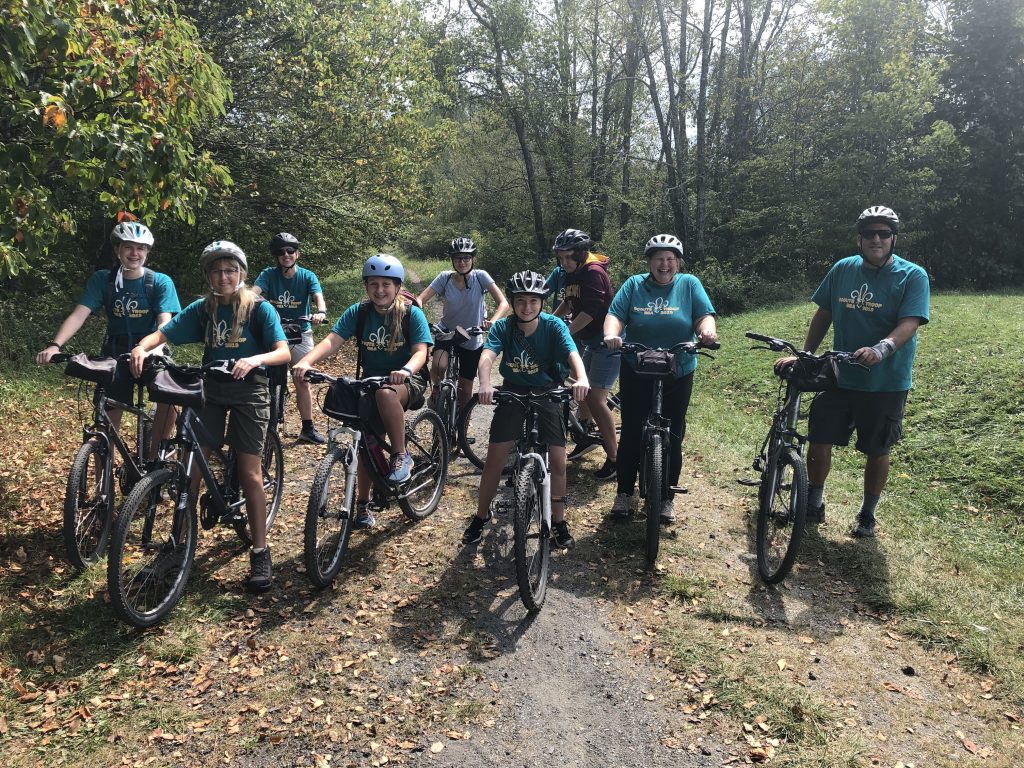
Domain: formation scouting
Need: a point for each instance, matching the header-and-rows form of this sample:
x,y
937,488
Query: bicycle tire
x,y
451,417
654,467
148,567
88,508
329,514
475,432
781,514
532,540
427,443
273,485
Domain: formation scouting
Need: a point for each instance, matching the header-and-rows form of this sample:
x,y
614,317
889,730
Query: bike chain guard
x,y
208,516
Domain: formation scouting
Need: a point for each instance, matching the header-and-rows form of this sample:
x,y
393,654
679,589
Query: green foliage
x,y
100,100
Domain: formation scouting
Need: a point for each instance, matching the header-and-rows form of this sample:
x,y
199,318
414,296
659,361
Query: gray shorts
x,y
877,417
303,348
602,366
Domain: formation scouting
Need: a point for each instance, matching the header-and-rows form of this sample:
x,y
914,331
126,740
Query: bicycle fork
x,y
545,484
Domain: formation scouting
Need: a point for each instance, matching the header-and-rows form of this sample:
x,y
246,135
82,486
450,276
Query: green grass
x,y
952,513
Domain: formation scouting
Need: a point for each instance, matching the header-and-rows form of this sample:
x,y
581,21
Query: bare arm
x,y
901,334
418,359
579,372
146,343
820,324
485,392
331,343
502,305
613,328
707,329
71,325
427,294
579,322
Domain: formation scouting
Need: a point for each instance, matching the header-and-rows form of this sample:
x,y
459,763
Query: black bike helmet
x,y
878,214
527,282
573,240
461,245
283,240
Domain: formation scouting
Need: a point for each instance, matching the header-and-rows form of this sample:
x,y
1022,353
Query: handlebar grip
x,y
759,337
712,345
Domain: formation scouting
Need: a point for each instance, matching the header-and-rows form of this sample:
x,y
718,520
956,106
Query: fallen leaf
x,y
781,664
436,747
969,745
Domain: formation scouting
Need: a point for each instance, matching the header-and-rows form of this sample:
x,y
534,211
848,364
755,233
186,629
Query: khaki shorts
x,y
303,348
249,406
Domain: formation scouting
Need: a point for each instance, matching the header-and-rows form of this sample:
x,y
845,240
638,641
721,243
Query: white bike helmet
x,y
222,249
131,232
663,243
878,214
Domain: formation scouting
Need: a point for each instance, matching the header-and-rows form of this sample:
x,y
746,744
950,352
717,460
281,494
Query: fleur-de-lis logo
x,y
220,333
657,306
522,362
378,339
125,306
285,299
861,296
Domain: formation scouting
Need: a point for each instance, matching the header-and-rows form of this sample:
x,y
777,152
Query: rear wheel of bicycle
x,y
427,444
654,467
152,550
448,412
273,485
532,543
88,506
475,433
328,519
781,514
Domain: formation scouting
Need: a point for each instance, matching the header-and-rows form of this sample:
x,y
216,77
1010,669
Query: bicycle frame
x,y
103,430
655,423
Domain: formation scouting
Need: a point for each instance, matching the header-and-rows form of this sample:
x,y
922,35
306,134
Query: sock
x,y
259,551
307,423
867,509
815,495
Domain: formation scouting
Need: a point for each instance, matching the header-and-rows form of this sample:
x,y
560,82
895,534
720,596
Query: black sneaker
x,y
584,446
864,528
474,531
310,435
816,515
560,535
364,518
260,572
607,471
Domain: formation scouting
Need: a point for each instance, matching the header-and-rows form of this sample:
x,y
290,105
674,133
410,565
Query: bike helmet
x,y
527,282
283,240
461,245
878,214
131,232
383,265
222,249
573,240
663,243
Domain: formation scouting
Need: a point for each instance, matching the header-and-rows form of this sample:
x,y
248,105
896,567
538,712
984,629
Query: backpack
x,y
363,312
108,289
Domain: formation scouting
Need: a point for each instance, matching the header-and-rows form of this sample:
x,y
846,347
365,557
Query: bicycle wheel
x,y
152,551
427,443
654,468
448,412
328,518
273,485
532,542
88,506
475,432
781,514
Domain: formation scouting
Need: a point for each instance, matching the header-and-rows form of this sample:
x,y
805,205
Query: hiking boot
x,y
166,565
560,535
260,575
607,470
474,531
310,435
364,517
401,467
815,515
622,507
584,446
863,528
668,511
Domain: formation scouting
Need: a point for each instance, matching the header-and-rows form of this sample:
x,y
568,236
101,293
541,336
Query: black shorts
x,y
877,417
507,424
469,361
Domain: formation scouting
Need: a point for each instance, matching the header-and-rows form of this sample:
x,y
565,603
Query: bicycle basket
x,y
341,401
813,374
655,364
100,370
177,388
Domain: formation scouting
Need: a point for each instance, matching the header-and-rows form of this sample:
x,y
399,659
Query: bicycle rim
x,y
328,519
427,444
88,507
781,514
532,544
654,466
152,551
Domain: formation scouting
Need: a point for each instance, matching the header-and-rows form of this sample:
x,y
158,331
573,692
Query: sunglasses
x,y
283,251
462,257
883,234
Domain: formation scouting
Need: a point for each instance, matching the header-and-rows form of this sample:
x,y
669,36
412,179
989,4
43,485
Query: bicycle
x,y
278,374
656,436
154,542
782,487
331,506
89,499
446,398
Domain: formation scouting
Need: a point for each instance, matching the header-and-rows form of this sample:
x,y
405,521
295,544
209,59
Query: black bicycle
x,y
155,536
782,487
446,399
331,506
658,364
278,374
104,464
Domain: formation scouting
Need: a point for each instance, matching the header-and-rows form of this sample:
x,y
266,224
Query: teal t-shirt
x,y
556,284
662,315
866,304
290,296
377,361
130,313
528,363
259,334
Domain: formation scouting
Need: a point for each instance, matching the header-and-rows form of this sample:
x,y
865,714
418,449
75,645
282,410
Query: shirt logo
x,y
287,301
221,332
659,306
523,363
860,298
377,341
128,306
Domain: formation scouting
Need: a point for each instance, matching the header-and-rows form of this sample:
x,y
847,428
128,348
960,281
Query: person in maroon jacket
x,y
588,294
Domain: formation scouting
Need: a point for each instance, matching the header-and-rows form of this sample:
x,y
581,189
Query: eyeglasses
x,y
284,251
883,234
226,272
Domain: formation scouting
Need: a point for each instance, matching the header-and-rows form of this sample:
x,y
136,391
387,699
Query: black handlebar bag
x,y
813,375
655,364
184,388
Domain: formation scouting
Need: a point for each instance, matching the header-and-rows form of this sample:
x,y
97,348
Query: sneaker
x,y
668,511
401,467
166,566
863,528
560,535
816,515
260,575
310,435
364,518
475,530
622,507
584,446
607,471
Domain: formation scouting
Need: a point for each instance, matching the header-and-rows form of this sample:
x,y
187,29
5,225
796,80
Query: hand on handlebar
x,y
399,376
485,394
318,317
43,358
613,342
866,356
783,363
580,389
708,337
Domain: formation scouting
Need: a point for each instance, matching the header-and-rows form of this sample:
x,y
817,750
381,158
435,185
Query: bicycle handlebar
x,y
369,383
556,395
781,345
689,347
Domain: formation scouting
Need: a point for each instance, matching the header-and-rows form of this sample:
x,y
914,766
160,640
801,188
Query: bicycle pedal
x,y
748,481
679,489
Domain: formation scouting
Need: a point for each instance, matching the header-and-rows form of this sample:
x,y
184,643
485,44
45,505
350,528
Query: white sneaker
x,y
624,505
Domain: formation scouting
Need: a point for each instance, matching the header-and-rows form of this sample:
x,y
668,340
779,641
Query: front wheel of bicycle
x,y
781,514
152,550
532,543
328,518
273,485
427,444
654,468
475,432
88,506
